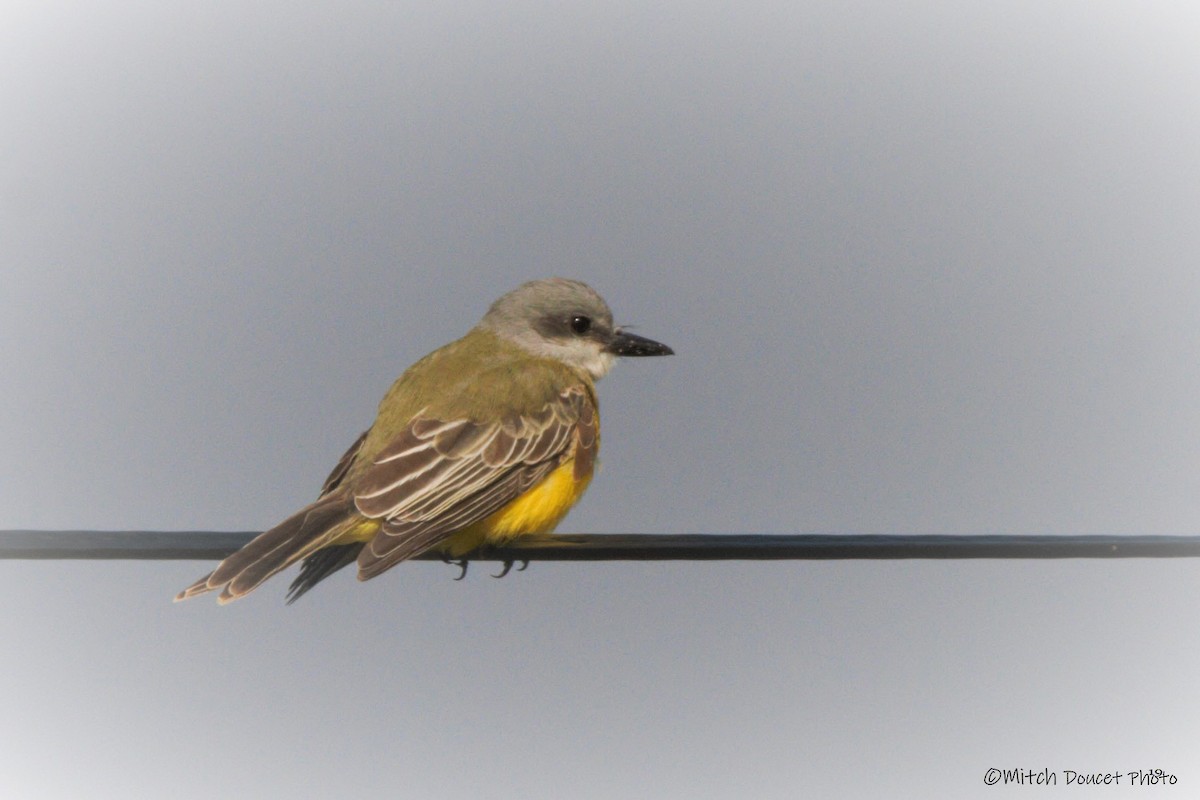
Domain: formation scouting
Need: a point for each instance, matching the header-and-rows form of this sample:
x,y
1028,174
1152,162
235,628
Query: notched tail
x,y
296,537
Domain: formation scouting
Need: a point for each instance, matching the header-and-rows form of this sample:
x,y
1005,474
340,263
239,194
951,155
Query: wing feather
x,y
399,540
438,477
343,466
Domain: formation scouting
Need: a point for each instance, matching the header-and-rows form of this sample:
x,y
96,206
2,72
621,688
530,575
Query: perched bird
x,y
488,438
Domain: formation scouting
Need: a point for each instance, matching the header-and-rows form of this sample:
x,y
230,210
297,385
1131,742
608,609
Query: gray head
x,y
568,321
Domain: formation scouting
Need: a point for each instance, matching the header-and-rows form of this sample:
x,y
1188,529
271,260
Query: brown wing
x,y
343,466
438,477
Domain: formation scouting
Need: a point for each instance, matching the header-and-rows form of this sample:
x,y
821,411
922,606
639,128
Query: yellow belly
x,y
538,511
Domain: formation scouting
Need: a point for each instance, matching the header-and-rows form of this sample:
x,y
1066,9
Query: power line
x,y
215,545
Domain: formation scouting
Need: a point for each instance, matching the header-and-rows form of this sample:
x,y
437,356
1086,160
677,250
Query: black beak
x,y
628,344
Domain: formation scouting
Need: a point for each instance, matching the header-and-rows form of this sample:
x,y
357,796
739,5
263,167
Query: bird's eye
x,y
581,325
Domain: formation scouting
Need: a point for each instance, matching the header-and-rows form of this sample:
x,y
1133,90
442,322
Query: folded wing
x,y
440,476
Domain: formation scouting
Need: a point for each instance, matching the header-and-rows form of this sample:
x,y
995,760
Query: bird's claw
x,y
508,565
461,563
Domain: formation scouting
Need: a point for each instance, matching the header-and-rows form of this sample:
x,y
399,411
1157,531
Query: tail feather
x,y
274,550
320,565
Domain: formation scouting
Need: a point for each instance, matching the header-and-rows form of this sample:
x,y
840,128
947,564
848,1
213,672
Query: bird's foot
x,y
508,565
461,563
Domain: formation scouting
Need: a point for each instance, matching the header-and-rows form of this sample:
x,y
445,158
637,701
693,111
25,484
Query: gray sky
x,y
928,268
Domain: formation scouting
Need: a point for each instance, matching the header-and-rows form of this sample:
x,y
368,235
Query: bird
x,y
491,437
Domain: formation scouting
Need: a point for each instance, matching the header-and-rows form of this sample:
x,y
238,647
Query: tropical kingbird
x,y
488,438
